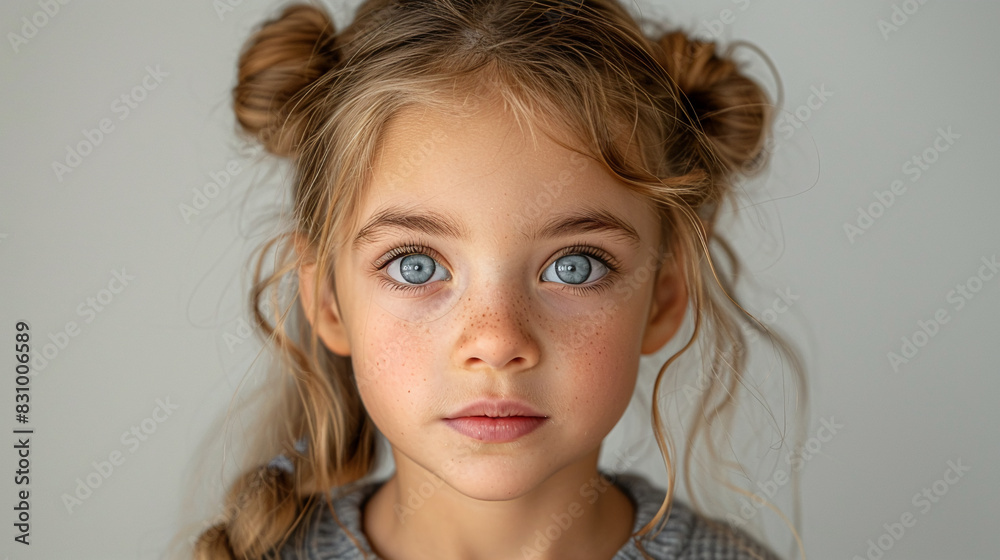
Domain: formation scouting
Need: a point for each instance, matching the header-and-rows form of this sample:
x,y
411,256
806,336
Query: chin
x,y
495,478
496,490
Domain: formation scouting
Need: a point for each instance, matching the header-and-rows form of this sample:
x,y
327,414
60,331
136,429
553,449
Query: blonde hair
x,y
322,99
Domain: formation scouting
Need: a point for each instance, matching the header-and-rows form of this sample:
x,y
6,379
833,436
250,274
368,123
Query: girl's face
x,y
486,267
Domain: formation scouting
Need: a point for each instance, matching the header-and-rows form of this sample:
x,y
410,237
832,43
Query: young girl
x,y
499,205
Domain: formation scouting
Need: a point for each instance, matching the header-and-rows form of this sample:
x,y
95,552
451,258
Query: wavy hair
x,y
674,120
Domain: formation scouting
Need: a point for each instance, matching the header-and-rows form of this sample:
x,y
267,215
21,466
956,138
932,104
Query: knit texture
x,y
686,536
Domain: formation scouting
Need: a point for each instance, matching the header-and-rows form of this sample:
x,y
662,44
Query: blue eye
x,y
415,269
575,269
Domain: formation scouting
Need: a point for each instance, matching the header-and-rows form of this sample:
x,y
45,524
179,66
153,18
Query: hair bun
x,y
279,60
732,109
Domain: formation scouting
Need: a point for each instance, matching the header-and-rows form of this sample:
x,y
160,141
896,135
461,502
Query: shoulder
x,y
686,535
325,534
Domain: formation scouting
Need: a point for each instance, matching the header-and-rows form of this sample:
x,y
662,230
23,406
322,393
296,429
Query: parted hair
x,y
675,120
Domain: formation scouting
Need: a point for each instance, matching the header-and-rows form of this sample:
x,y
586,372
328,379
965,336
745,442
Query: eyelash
x,y
409,248
416,247
599,255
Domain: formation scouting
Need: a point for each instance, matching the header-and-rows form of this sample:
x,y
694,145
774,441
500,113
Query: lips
x,y
497,409
496,421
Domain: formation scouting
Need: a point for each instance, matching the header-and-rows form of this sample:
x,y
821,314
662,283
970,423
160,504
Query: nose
x,y
496,332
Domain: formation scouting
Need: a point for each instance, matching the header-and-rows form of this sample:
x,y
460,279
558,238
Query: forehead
x,y
477,133
487,165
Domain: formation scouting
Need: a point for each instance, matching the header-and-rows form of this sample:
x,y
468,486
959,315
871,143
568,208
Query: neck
x,y
572,514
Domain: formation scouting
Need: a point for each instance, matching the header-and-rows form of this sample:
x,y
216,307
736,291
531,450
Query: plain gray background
x,y
173,333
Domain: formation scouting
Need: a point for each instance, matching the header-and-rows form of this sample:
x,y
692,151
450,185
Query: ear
x,y
327,321
666,311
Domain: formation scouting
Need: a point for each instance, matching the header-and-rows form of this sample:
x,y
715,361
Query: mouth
x,y
496,421
495,430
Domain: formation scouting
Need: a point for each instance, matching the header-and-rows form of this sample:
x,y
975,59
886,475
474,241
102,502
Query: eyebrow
x,y
587,219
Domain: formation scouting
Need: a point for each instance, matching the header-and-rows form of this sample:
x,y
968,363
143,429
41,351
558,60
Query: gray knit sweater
x,y
685,537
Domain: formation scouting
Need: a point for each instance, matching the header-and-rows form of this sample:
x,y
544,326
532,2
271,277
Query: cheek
x,y
390,365
601,353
